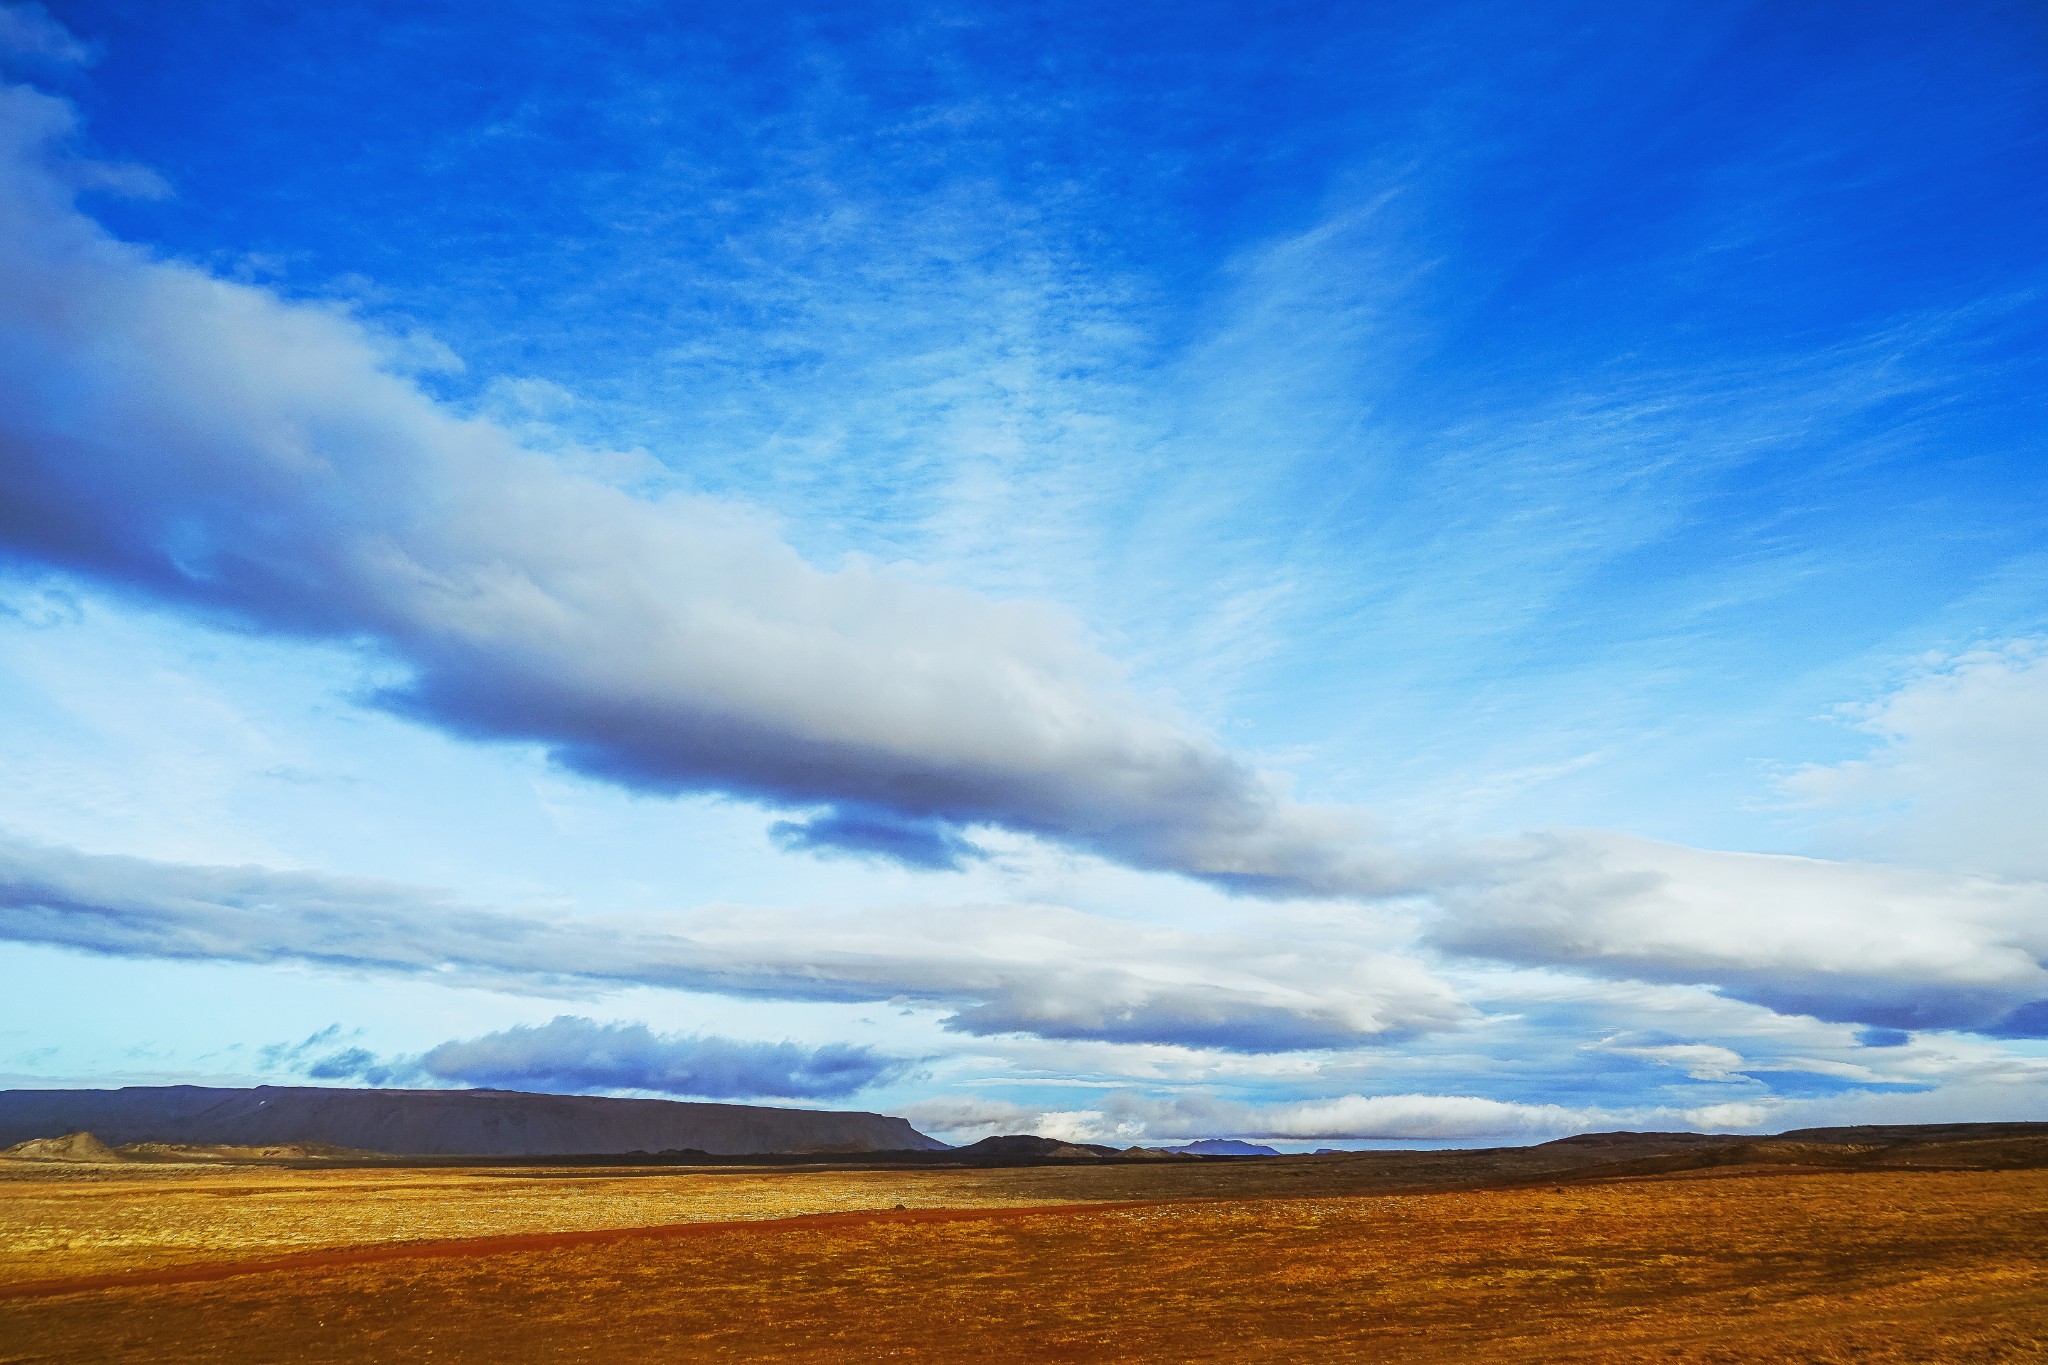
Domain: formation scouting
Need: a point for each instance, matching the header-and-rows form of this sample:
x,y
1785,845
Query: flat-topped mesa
x,y
442,1122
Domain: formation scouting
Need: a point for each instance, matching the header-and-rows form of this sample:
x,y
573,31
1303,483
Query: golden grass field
x,y
1308,1259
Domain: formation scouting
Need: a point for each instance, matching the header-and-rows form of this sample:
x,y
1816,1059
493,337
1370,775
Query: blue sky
x,y
1438,573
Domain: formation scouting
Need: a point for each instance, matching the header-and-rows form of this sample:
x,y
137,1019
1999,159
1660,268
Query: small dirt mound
x,y
70,1147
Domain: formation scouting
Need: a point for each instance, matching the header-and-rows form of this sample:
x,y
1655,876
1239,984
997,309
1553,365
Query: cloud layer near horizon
x,y
1126,1117
1042,970
212,447
1890,948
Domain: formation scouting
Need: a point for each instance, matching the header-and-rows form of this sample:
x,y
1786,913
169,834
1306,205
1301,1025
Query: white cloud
x,y
965,1118
1889,946
1701,1061
1959,774
1042,970
28,31
216,448
1416,1117
1732,1116
213,447
1124,1117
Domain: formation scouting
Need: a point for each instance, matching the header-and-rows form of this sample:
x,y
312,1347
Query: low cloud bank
x,y
1891,947
1887,948
966,1118
574,1055
1012,969
1438,1118
220,450
1126,1117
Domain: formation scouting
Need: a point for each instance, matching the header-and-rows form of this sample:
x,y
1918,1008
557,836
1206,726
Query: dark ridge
x,y
1027,1145
1223,1147
488,1123
1638,1141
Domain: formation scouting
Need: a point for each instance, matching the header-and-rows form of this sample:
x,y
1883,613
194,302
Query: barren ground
x,y
1303,1259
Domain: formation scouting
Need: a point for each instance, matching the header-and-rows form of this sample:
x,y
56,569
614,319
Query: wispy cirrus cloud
x,y
1957,775
28,33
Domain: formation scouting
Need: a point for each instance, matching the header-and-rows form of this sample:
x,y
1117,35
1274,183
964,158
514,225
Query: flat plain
x,y
1772,1253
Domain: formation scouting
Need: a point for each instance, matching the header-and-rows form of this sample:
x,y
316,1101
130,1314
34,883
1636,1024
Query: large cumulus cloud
x,y
1041,970
213,447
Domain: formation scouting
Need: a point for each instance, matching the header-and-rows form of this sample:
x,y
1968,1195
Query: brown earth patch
x,y
1822,1265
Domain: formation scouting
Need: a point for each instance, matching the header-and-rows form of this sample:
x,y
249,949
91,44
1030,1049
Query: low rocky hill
x,y
1030,1147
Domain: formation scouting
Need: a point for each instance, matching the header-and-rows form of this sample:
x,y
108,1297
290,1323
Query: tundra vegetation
x,y
1829,1245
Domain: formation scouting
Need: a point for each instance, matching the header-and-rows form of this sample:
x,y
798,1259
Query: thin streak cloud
x,y
1040,970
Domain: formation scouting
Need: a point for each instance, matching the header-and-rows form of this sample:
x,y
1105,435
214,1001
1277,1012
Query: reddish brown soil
x,y
496,1246
1870,1266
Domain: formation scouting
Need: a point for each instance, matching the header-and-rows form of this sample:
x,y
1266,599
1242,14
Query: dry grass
x,y
60,1220
1725,1265
120,1220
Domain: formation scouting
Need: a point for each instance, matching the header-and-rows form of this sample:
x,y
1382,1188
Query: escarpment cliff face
x,y
443,1122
